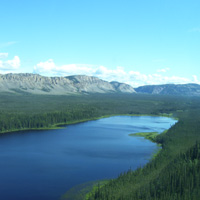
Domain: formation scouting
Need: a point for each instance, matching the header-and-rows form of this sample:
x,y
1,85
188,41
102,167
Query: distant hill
x,y
171,89
37,84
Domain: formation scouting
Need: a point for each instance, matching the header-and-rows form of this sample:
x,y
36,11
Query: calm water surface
x,y
43,165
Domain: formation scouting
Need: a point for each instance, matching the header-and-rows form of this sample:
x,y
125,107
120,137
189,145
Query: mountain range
x,y
79,84
37,84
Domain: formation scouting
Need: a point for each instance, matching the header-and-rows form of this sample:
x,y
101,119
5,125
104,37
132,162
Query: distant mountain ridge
x,y
79,84
189,89
37,84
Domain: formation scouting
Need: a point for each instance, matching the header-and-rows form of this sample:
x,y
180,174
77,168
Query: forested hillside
x,y
19,112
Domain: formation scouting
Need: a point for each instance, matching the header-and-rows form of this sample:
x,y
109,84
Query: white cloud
x,y
7,66
119,74
195,79
163,70
50,68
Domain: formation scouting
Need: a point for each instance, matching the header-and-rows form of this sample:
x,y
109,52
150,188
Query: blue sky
x,y
136,41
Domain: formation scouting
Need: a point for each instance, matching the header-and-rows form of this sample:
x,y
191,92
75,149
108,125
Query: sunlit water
x,y
43,165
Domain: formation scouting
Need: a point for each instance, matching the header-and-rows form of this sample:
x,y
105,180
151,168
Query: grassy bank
x,y
83,191
147,135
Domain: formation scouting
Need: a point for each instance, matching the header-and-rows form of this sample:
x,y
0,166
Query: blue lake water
x,y
43,165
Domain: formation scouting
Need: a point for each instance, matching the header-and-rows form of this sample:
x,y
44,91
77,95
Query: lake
x,y
43,165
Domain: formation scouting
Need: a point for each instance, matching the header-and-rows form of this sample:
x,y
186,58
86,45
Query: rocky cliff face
x,y
36,84
122,87
171,89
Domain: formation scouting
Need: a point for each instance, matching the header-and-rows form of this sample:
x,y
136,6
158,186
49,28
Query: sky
x,y
139,42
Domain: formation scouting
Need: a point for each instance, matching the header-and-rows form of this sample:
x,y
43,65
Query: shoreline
x,y
59,125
